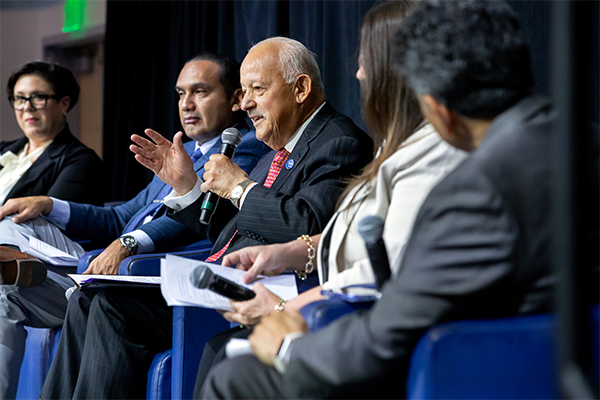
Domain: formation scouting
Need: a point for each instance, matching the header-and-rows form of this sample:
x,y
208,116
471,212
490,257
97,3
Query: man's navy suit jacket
x,y
107,223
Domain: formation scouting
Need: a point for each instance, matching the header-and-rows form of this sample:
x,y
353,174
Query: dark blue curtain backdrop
x,y
147,43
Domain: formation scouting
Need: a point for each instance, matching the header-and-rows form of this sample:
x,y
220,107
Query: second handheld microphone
x,y
370,228
231,138
203,278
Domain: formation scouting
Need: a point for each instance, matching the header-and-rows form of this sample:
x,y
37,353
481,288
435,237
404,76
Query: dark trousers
x,y
243,377
214,353
107,343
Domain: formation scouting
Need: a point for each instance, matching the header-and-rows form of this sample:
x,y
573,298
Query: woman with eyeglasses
x,y
49,160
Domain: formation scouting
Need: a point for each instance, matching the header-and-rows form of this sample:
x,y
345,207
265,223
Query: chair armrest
x,y
192,328
86,259
149,264
320,313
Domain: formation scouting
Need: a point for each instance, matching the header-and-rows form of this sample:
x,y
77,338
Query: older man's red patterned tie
x,y
276,165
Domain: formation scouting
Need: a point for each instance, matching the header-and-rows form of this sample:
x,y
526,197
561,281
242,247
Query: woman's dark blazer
x,y
67,170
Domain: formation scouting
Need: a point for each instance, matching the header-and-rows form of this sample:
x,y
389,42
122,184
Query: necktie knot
x,y
196,155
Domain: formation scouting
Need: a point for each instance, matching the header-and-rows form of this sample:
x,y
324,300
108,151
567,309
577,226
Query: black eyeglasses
x,y
38,101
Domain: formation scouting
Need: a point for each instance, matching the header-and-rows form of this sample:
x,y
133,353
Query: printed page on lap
x,y
178,290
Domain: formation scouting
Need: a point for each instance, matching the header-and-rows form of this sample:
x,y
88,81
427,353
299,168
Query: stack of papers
x,y
179,291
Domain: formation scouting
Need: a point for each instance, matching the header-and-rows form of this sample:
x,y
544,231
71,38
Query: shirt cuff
x,y
178,203
145,244
60,214
246,191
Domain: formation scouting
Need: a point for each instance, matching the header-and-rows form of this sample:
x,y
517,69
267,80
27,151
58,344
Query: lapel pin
x,y
289,164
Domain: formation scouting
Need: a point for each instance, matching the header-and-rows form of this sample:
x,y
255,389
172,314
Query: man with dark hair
x,y
206,108
480,246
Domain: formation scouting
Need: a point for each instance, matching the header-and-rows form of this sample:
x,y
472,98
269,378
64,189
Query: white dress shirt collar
x,y
292,142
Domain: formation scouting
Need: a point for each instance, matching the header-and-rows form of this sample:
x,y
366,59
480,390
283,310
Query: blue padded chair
x,y
511,358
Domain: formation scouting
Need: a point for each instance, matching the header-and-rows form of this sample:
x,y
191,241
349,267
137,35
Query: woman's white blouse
x,y
396,194
14,166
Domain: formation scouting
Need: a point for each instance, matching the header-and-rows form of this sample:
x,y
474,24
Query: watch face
x,y
129,242
237,192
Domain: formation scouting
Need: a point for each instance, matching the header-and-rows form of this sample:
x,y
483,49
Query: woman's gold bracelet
x,y
310,266
279,307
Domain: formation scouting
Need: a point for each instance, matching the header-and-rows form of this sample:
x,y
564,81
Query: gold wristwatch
x,y
238,191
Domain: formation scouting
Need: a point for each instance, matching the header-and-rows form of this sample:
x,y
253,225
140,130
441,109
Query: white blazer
x,y
396,195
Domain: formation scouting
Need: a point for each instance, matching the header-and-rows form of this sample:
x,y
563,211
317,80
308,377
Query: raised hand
x,y
26,208
169,161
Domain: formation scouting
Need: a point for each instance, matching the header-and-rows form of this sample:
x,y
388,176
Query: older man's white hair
x,y
295,59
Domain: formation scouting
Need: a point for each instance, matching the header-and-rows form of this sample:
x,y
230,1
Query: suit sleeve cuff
x,y
60,214
145,244
250,186
178,203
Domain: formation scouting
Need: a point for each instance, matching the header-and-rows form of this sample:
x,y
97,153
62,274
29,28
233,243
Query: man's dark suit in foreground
x,y
480,247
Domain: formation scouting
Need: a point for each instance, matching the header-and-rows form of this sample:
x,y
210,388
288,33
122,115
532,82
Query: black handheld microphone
x,y
230,137
370,229
203,278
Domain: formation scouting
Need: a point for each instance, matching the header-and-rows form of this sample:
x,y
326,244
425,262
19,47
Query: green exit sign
x,y
74,14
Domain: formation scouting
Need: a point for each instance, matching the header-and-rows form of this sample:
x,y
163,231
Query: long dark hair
x,y
389,107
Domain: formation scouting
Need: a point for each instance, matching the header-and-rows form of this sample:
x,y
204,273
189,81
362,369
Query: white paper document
x,y
80,279
44,251
179,291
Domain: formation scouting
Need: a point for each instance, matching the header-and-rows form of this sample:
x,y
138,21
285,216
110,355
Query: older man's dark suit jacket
x,y
480,248
302,198
67,170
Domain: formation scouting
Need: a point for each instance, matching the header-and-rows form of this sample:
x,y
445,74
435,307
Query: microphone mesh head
x,y
231,136
200,276
370,228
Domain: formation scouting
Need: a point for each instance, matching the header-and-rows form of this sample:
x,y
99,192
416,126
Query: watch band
x,y
282,358
242,185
